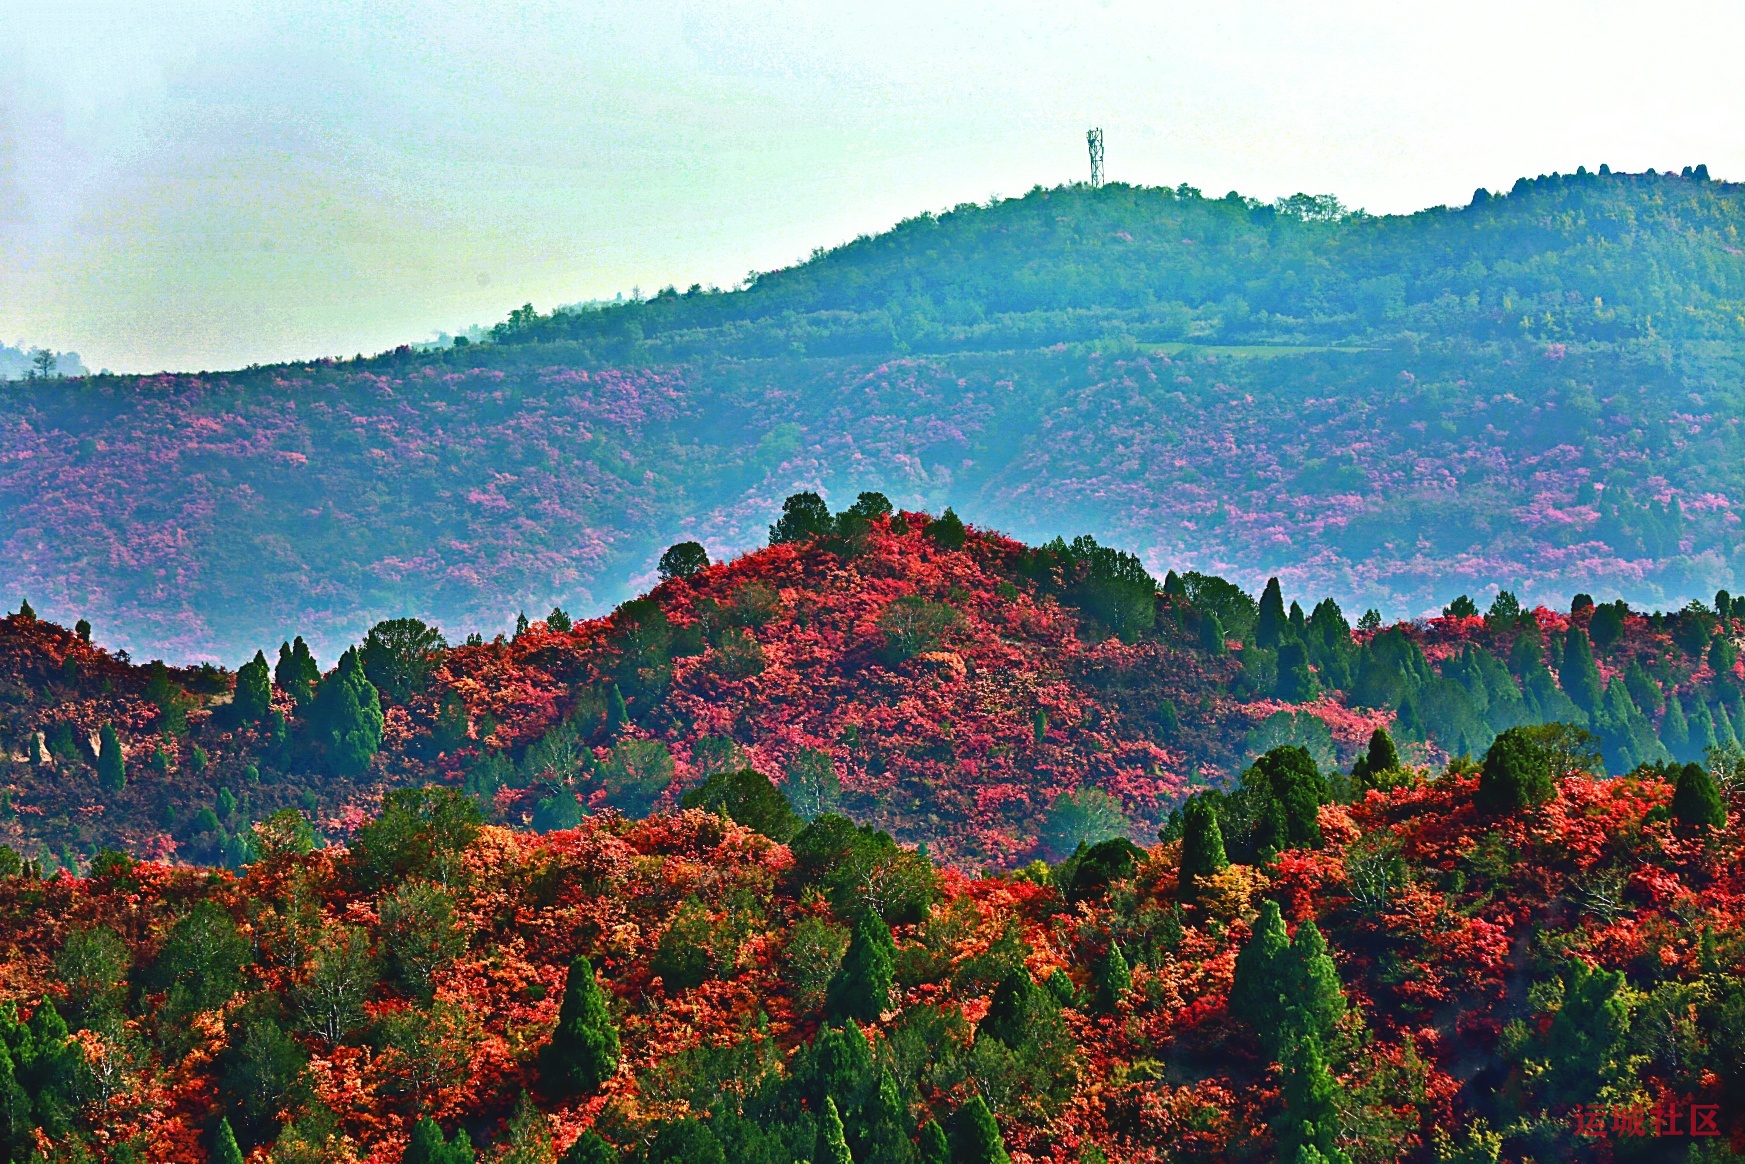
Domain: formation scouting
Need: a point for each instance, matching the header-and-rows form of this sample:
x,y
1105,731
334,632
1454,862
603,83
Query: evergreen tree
x,y
1202,844
1579,674
1516,773
804,516
933,1147
948,532
427,1146
1674,731
832,1143
224,1149
254,690
1310,1119
886,1118
589,1148
1723,655
584,1049
1272,624
1381,757
1701,726
1696,801
16,1123
1725,735
1257,991
617,711
861,988
347,713
976,1137
111,762
1316,1002
1113,978
1296,683
297,672
683,561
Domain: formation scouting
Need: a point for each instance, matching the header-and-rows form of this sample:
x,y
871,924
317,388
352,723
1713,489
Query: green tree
x,y
1696,800
684,560
1084,816
832,1143
428,1146
861,988
947,531
1462,607
17,1124
261,1069
1674,730
1316,1003
976,1137
912,625
111,762
1588,1029
347,717
804,516
590,1148
1381,757
224,1149
887,1120
93,965
1202,844
420,934
933,1147
1257,993
747,797
584,1050
200,964
1113,978
297,672
421,832
1516,773
399,654
1310,1119
254,690
810,783
1272,624
1579,675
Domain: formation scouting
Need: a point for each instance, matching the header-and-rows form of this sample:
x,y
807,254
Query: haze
x,y
216,185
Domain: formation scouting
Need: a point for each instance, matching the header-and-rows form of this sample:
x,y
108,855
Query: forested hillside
x,y
1539,392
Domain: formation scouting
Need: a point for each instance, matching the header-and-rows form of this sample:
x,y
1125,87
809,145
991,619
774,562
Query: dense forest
x,y
1536,392
894,842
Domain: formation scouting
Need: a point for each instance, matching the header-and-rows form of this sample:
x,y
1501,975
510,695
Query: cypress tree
x,y
861,988
1579,674
297,672
224,1149
111,763
1257,992
1516,774
584,1049
1696,801
976,1137
1212,634
948,532
348,712
1312,983
1310,1119
887,1136
1272,624
15,1118
254,690
1725,736
1114,978
589,1148
617,711
1381,757
1702,728
1674,731
832,1144
428,1147
933,1148
1202,844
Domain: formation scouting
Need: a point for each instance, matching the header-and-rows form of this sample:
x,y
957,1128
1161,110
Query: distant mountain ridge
x,y
1541,390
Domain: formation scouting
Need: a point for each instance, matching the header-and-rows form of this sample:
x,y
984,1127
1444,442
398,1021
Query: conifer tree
x,y
1114,978
111,762
427,1145
861,988
1315,1000
348,713
1381,757
584,1048
1257,992
933,1147
617,711
224,1149
1725,734
590,1148
297,672
1701,726
15,1118
1310,1118
832,1143
254,690
976,1137
1516,774
887,1136
1674,731
948,532
1579,675
1696,801
1202,844
1272,624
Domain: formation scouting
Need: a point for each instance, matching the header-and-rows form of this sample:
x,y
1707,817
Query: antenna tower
x,y
1094,139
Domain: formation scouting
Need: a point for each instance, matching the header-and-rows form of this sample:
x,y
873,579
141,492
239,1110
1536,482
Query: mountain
x,y
1540,391
993,702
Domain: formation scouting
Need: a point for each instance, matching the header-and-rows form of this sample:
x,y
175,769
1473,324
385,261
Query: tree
x,y
559,621
870,506
912,625
832,1144
224,1149
1202,844
804,516
1578,673
399,655
286,833
1272,624
933,1147
17,1124
254,690
584,1050
861,988
810,783
297,672
419,932
1084,816
947,531
886,1119
976,1137
1516,773
1257,991
111,762
421,832
347,717
1113,979
1316,1002
684,560
429,1147
200,964
1462,607
93,966
746,797
331,992
590,1148
1381,757
1310,1119
1696,801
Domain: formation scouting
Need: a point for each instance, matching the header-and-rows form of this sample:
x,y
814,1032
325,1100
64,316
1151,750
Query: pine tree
x,y
976,1137
428,1146
1272,624
1516,774
224,1149
584,1048
1696,801
1310,1118
617,711
861,988
1702,728
832,1143
1381,757
297,672
348,713
15,1118
933,1147
254,690
1579,674
1725,735
1257,992
948,532
1202,844
886,1118
1312,991
111,762
1674,731
589,1148
1114,978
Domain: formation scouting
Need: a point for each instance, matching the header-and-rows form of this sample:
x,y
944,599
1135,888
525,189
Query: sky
x,y
211,184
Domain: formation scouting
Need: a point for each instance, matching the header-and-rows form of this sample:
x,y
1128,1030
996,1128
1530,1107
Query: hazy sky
x,y
208,184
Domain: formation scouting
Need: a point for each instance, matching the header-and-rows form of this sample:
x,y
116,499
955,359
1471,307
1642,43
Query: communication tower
x,y
1094,139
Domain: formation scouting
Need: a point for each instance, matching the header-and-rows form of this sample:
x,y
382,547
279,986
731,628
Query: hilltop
x,y
1538,391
